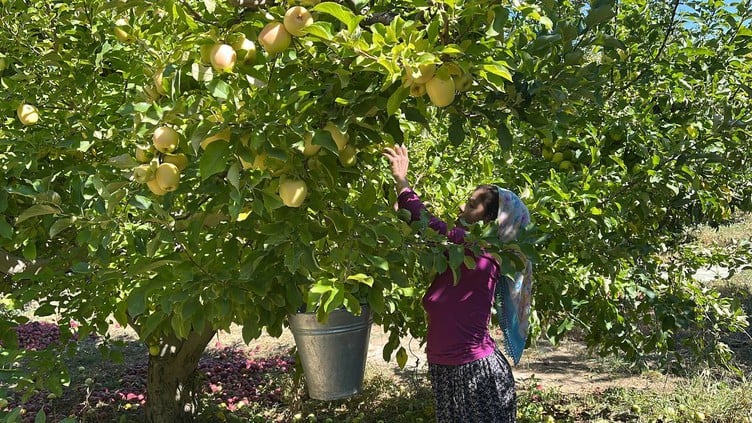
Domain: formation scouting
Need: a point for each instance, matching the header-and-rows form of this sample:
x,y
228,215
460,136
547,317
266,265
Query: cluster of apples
x,y
224,57
440,84
160,164
277,36
558,154
294,191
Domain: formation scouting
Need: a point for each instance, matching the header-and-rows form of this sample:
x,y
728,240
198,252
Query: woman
x,y
472,381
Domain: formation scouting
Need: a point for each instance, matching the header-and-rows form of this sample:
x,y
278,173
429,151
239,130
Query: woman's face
x,y
475,208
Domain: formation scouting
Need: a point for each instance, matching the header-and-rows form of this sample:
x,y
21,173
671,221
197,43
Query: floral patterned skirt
x,y
481,391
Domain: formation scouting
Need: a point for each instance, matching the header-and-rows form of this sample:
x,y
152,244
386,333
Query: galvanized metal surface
x,y
333,354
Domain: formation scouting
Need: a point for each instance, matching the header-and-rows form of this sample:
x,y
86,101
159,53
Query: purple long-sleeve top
x,y
458,315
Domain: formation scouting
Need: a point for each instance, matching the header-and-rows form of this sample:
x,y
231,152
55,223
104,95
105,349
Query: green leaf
x,y
456,131
544,43
339,12
599,15
46,309
392,128
219,89
396,99
137,302
37,210
376,300
251,330
504,136
498,68
61,225
501,15
214,159
401,357
362,278
6,231
320,29
30,250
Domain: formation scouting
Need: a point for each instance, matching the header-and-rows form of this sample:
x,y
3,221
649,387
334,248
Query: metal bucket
x,y
333,354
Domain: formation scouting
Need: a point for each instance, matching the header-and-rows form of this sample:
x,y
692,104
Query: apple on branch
x,y
348,156
144,153
206,52
297,19
223,58
180,160
309,149
165,139
441,89
223,135
27,114
167,176
274,37
247,50
340,138
292,192
122,31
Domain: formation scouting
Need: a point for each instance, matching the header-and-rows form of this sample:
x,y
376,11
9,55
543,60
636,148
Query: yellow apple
x,y
206,52
154,350
417,90
122,35
144,153
463,82
143,173
566,165
424,73
557,157
121,31
223,135
27,114
165,139
246,165
292,192
297,19
167,176
274,37
248,49
155,188
340,138
180,160
158,78
223,58
407,79
309,149
151,93
259,162
348,156
440,90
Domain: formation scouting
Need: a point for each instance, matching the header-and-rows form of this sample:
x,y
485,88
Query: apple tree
x,y
179,166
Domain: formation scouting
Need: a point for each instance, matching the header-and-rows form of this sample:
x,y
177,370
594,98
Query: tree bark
x,y
172,385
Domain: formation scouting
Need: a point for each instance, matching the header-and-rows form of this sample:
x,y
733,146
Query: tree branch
x,y
196,15
669,30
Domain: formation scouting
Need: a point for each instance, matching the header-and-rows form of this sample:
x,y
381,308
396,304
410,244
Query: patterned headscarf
x,y
512,297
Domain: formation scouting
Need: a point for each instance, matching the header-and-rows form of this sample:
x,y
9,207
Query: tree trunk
x,y
172,385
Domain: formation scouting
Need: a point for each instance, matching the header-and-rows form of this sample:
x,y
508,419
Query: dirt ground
x,y
566,366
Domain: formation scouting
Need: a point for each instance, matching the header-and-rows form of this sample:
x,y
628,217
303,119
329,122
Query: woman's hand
x,y
400,163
